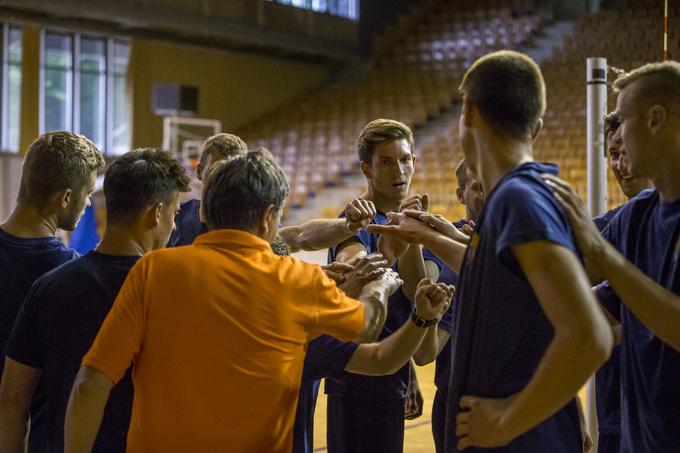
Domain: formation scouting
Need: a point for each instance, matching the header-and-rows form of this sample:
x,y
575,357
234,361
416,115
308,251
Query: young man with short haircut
x,y
528,329
359,406
217,331
607,378
57,179
65,308
638,255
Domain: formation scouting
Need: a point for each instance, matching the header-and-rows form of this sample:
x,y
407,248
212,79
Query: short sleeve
x,y
528,212
337,314
446,322
327,357
25,342
429,256
119,339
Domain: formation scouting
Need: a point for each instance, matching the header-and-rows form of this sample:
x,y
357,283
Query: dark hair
x,y
611,124
279,246
660,84
381,130
57,161
238,191
139,179
222,145
508,89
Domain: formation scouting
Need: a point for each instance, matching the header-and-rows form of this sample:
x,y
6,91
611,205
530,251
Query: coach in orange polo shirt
x,y
217,331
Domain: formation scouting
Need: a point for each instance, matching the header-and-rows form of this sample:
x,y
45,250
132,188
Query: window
x,y
10,112
83,80
348,9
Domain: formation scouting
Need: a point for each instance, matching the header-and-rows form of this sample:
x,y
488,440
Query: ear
x,y
265,220
459,194
656,118
366,169
199,170
466,112
537,129
64,197
155,213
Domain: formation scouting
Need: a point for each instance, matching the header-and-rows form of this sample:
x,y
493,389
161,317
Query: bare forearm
x,y
449,251
565,367
315,234
388,356
429,348
13,427
655,306
412,270
375,313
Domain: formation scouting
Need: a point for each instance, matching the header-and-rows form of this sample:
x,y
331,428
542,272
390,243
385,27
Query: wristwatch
x,y
422,322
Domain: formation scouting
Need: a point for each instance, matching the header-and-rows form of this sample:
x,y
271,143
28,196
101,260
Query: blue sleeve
x,y
327,357
362,236
24,345
429,256
609,299
528,212
446,322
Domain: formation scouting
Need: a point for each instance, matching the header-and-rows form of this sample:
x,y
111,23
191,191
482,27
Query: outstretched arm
x,y
656,307
581,344
323,233
86,409
392,353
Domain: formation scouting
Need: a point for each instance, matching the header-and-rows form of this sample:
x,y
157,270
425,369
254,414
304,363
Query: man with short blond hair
x,y
57,179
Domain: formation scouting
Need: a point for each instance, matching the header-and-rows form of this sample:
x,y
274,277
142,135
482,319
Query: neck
x,y
124,241
666,179
497,157
382,203
26,221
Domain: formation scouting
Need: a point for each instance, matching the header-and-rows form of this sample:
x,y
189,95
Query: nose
x,y
622,164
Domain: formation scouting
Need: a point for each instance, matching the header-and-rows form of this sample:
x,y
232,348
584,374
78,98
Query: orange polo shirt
x,y
217,333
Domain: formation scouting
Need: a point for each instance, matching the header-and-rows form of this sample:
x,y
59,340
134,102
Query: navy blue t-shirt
x,y
398,312
443,362
607,378
188,224
646,231
501,330
56,327
22,261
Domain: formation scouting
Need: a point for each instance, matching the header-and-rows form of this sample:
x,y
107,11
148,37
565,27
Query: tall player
x,y
528,331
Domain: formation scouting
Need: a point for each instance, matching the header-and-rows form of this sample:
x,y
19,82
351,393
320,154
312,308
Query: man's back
x,y
218,333
55,328
501,331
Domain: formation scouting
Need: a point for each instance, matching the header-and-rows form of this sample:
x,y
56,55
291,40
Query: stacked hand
x,y
432,299
414,226
392,245
361,271
388,282
358,214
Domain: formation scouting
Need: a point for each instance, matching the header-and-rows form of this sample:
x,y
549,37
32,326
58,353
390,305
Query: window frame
x,y
73,100
5,145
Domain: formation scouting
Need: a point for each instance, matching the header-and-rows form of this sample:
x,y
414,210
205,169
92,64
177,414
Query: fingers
x,y
339,278
352,212
425,202
338,267
389,230
464,442
468,229
467,402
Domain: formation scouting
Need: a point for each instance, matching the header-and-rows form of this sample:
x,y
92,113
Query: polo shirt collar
x,y
230,238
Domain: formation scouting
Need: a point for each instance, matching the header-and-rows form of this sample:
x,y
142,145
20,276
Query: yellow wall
x,y
233,87
30,85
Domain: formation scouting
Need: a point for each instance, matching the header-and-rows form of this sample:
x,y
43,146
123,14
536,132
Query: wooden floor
x,y
418,435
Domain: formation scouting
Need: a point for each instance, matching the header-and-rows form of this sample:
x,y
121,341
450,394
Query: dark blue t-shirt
x,y
443,362
398,312
646,232
22,261
188,224
501,330
607,378
56,327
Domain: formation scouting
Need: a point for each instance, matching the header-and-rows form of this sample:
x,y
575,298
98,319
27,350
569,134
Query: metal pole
x,y
665,31
596,79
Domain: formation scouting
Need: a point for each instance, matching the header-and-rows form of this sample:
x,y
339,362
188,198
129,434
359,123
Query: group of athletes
x,y
189,328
